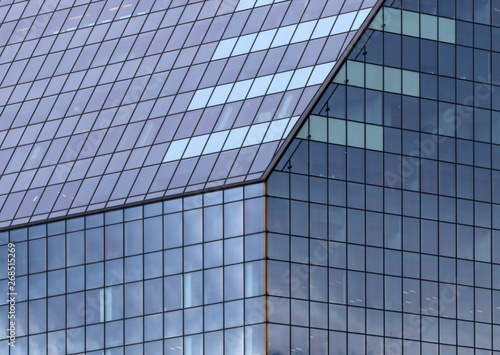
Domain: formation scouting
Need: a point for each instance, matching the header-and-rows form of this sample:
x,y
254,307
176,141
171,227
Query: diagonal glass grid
x,y
123,100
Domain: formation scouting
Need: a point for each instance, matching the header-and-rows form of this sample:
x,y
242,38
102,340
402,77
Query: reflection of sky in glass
x,y
190,262
290,34
269,84
99,101
232,139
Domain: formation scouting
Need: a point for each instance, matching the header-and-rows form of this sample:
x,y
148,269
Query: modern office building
x,y
250,177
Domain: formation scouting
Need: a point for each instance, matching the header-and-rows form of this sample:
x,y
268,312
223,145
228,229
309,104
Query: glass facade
x,y
376,232
383,214
185,276
112,102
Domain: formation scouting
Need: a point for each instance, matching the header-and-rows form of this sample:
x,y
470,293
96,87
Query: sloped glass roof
x,y
105,103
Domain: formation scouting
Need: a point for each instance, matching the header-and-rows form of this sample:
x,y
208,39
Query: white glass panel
x,y
200,98
215,142
392,19
411,83
304,31
360,18
290,126
260,86
245,4
196,146
304,131
224,48
236,137
392,80
244,44
356,134
374,137
428,27
220,94
280,82
317,128
447,30
344,22
264,40
300,78
320,73
378,21
341,75
276,130
324,27
175,150
284,36
336,131
256,134
411,23
263,2
356,73
240,90
374,77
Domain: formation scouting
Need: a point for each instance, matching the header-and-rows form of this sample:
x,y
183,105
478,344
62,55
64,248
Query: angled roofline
x,y
302,119
281,151
132,204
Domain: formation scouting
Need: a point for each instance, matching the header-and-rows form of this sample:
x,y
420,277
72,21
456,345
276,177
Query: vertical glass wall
x,y
184,276
384,232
